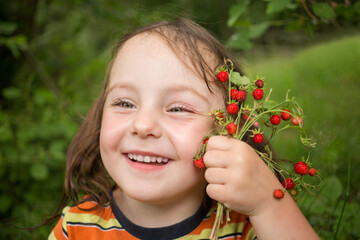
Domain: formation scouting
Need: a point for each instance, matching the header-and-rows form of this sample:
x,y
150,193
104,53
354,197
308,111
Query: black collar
x,y
170,232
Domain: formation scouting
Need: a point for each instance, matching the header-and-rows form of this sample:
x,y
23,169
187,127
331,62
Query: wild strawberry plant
x,y
245,115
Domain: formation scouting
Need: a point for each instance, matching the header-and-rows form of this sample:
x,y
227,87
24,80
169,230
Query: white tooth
x,y
165,160
140,158
153,159
135,157
159,159
130,155
147,159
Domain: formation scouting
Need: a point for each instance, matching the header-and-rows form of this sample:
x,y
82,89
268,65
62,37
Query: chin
x,y
148,195
162,194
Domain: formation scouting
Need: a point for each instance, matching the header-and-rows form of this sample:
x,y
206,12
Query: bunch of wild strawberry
x,y
240,119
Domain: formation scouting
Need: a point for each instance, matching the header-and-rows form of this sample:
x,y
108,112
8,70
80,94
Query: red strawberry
x,y
231,128
222,76
205,140
288,184
233,93
285,114
258,94
301,168
256,124
259,83
296,121
241,95
199,163
258,138
312,172
278,193
275,119
221,116
233,108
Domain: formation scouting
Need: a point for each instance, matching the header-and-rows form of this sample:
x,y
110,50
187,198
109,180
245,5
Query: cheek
x,y
187,138
112,129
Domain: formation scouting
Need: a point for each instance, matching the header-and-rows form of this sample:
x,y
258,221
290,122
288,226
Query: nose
x,y
146,123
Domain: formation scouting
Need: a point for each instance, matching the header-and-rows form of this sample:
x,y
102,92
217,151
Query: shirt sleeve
x,y
60,230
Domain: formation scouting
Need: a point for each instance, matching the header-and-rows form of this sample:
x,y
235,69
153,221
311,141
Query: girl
x,y
141,135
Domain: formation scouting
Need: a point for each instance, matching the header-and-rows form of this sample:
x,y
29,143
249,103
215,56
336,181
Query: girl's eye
x,y
123,104
177,109
180,109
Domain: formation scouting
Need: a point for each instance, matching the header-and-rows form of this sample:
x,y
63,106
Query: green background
x,y
54,56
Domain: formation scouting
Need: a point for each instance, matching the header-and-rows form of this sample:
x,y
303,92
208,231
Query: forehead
x,y
147,46
194,54
152,50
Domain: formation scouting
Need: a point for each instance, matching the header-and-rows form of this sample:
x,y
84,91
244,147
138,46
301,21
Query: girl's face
x,y
155,116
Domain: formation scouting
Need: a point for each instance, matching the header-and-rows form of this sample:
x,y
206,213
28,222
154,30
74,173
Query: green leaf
x,y
292,6
236,79
240,40
11,93
21,41
269,104
257,30
43,96
276,6
236,11
323,10
39,171
7,27
14,44
244,24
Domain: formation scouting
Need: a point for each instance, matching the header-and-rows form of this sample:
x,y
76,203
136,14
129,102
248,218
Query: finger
x,y
216,175
216,159
216,192
220,143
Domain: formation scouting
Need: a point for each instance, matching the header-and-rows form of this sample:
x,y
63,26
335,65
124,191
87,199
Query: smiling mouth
x,y
147,159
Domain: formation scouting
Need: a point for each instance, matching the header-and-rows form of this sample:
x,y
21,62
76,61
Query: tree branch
x,y
303,2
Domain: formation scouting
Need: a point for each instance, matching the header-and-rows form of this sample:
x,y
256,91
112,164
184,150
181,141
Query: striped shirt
x,y
110,223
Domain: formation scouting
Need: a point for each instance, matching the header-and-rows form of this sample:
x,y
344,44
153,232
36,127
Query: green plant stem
x,y
249,123
345,200
218,219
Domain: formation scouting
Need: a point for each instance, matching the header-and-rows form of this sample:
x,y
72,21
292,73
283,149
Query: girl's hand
x,y
239,179
237,176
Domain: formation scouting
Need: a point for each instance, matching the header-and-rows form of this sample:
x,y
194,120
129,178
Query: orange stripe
x,y
58,232
105,213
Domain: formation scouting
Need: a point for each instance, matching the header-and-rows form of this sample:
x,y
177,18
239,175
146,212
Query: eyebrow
x,y
122,85
184,88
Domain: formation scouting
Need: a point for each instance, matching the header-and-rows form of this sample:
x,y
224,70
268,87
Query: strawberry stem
x,y
218,218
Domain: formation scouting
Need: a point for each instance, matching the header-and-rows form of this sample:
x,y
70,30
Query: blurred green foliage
x,y
54,56
254,21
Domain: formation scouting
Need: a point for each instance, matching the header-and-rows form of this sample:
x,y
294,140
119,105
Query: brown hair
x,y
85,172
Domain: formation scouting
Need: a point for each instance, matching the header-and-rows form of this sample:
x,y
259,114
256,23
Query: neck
x,y
158,214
